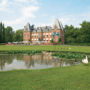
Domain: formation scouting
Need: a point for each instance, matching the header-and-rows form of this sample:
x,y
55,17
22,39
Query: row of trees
x,y
72,34
8,35
77,35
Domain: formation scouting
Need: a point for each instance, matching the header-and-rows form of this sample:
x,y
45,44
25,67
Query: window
x,y
58,34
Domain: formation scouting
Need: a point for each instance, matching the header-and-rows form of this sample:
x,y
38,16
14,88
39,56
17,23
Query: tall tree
x,y
9,34
2,33
85,31
19,35
77,35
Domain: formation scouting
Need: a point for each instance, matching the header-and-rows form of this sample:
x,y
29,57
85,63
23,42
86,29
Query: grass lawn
x,y
66,78
82,49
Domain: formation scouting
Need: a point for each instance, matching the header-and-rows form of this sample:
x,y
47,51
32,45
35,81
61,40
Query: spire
x,y
27,27
58,24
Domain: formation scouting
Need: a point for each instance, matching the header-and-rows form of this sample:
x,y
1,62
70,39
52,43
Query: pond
x,y
40,61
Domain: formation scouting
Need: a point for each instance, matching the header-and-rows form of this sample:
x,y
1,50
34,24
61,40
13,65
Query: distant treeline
x,y
73,35
78,36
7,34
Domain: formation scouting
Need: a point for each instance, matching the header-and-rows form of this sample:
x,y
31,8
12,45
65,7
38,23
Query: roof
x,y
58,24
43,29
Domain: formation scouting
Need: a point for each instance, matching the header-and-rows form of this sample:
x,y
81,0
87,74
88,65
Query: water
x,y
24,61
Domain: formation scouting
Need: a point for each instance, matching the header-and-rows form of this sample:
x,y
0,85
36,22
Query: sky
x,y
17,13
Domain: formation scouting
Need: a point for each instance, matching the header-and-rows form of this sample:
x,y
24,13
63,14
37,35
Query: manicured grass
x,y
82,49
66,78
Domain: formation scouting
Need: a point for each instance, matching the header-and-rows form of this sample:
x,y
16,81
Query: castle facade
x,y
45,34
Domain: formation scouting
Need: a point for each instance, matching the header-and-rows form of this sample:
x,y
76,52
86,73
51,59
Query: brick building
x,y
43,34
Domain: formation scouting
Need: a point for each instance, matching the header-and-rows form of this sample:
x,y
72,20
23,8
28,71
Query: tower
x,y
27,27
58,25
27,33
58,32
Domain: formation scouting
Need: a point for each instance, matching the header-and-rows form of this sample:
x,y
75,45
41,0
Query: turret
x,y
27,27
58,25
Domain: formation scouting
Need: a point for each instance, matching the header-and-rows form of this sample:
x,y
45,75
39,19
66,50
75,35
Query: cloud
x,y
69,19
3,5
3,2
75,19
26,12
22,10
45,15
19,12
28,1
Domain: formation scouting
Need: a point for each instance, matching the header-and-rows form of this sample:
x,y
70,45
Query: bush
x,y
80,44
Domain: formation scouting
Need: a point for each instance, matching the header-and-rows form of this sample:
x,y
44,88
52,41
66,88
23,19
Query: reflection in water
x,y
23,61
5,59
28,61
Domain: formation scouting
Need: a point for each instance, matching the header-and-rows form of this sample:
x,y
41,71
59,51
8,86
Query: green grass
x,y
66,78
65,48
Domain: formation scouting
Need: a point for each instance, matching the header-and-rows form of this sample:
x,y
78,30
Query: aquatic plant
x,y
23,52
69,55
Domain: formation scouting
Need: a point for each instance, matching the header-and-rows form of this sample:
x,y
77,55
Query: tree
x,y
19,35
69,33
9,34
77,35
52,41
85,31
59,40
2,33
29,41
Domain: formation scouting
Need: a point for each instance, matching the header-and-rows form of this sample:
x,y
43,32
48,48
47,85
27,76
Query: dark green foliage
x,y
6,34
52,41
59,40
77,35
19,35
23,52
69,55
80,44
2,33
9,34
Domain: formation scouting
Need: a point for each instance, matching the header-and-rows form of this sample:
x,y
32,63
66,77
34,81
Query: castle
x,y
43,34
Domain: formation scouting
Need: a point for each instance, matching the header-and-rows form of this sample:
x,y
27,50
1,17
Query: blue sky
x,y
17,13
